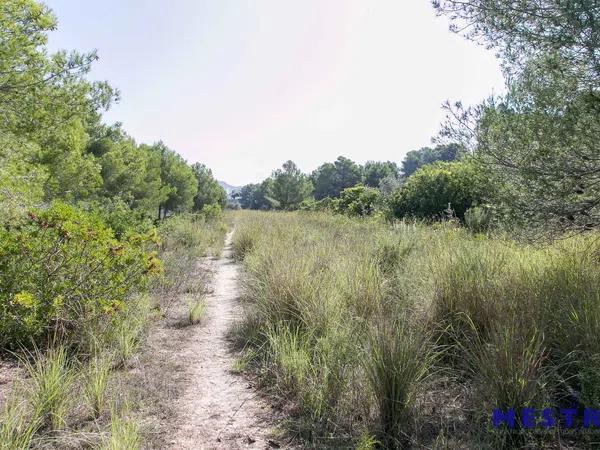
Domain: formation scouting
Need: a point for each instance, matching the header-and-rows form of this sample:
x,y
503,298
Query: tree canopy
x,y
427,155
209,191
541,136
332,178
375,171
53,144
290,186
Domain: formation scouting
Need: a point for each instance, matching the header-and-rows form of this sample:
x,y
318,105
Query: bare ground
x,y
199,403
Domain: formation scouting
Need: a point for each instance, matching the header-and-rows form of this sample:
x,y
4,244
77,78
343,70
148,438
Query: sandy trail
x,y
219,409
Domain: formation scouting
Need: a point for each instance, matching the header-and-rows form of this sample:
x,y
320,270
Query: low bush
x,y
434,188
357,201
63,271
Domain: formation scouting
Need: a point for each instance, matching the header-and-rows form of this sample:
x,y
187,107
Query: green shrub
x,y
212,212
63,271
357,201
117,215
478,219
435,187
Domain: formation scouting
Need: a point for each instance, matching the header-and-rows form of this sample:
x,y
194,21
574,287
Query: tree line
x,y
528,158
341,182
54,145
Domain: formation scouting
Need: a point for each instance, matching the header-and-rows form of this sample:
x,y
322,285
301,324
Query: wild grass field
x,y
407,335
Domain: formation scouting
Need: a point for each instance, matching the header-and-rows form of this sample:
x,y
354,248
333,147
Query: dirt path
x,y
219,409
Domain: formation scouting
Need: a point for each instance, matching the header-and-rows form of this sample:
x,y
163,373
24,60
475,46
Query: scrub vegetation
x,y
97,233
412,334
387,305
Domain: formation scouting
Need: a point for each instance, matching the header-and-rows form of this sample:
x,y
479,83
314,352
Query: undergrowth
x,y
73,345
391,335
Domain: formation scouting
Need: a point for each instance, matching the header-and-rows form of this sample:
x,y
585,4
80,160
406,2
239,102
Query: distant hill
x,y
229,188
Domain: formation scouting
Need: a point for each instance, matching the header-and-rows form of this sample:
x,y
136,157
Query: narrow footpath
x,y
219,409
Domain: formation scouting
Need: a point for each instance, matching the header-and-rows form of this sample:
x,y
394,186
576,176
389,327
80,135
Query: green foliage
x,y
209,190
51,379
376,171
212,212
357,201
76,236
46,103
520,32
540,137
257,196
478,219
427,155
179,177
129,173
435,188
332,178
290,186
119,217
63,266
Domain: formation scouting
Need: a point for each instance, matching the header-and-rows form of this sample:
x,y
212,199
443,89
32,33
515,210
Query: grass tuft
x,y
196,310
51,380
95,383
124,434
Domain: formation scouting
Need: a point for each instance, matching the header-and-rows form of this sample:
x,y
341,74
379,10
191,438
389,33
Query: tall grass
x,y
359,323
51,378
95,383
185,239
125,335
124,434
397,362
17,426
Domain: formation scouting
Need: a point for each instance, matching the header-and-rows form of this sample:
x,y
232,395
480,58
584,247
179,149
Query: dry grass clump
x,y
348,317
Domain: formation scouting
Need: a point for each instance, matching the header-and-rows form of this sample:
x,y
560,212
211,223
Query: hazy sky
x,y
243,85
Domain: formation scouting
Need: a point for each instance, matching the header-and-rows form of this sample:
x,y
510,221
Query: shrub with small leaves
x,y
62,269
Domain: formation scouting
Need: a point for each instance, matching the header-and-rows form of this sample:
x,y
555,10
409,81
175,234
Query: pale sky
x,y
244,85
